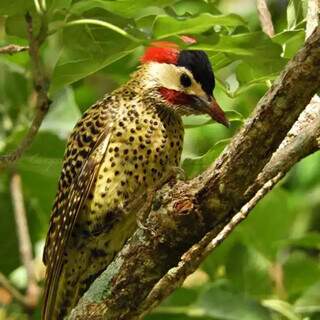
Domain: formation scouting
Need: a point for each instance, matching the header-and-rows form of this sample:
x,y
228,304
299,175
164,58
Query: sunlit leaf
x,y
193,7
194,166
125,8
78,59
283,308
241,44
287,35
309,302
165,26
296,11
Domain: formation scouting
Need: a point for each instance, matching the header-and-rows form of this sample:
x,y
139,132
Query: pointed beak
x,y
210,106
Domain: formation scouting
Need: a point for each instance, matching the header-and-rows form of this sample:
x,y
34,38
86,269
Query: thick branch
x,y
41,87
191,260
312,16
183,215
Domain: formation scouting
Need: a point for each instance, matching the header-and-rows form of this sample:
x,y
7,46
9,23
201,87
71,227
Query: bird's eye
x,y
185,80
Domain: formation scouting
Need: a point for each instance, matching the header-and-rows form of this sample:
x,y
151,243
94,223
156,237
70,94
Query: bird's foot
x,y
178,173
144,212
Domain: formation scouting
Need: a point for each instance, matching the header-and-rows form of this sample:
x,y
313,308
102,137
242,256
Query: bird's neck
x,y
151,101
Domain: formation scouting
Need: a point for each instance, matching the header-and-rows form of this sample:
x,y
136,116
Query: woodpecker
x,y
125,145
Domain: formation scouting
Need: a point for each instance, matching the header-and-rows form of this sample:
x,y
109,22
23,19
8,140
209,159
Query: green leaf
x,y
300,272
9,252
58,4
249,76
16,25
223,304
307,172
194,166
296,11
293,45
166,26
220,60
310,240
14,7
124,8
194,7
269,223
63,114
283,308
241,45
309,301
191,122
172,316
88,49
180,297
285,36
251,272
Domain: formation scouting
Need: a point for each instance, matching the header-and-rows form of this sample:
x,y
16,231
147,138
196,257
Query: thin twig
x,y
41,87
13,48
24,240
265,18
196,254
5,283
300,142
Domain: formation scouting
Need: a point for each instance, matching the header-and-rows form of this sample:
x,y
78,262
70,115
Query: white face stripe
x,y
168,76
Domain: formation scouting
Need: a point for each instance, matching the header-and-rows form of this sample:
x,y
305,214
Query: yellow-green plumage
x,y
124,146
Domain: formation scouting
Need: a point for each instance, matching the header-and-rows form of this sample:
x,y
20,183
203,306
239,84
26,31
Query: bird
x,y
125,146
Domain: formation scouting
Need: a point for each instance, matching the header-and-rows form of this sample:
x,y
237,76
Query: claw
x,y
179,173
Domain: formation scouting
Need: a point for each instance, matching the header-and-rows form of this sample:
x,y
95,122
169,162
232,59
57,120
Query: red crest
x,y
164,51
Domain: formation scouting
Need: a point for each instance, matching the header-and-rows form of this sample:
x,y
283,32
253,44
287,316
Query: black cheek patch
x,y
198,63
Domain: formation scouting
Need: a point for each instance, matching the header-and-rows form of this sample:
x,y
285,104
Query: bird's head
x,y
184,79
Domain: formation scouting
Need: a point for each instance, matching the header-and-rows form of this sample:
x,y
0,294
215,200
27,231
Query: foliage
x,y
268,268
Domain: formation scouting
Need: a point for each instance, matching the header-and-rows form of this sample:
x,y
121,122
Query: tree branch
x,y
265,18
12,48
5,283
184,214
41,85
25,246
191,260
312,16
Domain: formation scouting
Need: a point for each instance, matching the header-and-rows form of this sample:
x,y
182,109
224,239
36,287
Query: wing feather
x,y
69,202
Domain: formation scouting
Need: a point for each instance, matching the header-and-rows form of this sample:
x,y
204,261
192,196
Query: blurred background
x,y
269,267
